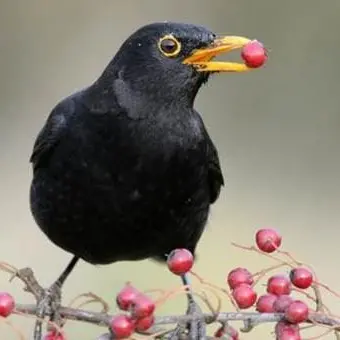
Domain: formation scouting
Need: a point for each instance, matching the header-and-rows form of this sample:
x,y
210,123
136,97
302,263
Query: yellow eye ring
x,y
169,46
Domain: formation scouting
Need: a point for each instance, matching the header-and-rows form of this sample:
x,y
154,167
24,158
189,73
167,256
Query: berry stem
x,y
90,298
223,290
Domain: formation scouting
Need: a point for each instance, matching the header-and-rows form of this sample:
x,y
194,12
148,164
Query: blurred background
x,y
276,129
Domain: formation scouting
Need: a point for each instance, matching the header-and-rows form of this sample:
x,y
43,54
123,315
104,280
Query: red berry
x,y
301,277
244,295
229,330
7,304
238,276
297,312
287,331
265,303
180,261
268,240
254,54
142,306
145,323
54,335
219,333
126,296
279,285
122,326
282,303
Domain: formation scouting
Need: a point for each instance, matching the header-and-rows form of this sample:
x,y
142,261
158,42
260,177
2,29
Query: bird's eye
x,y
169,46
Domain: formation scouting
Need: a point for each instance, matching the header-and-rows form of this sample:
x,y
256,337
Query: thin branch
x,y
48,308
103,319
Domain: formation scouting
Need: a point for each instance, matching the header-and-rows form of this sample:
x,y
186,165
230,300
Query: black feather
x,y
125,169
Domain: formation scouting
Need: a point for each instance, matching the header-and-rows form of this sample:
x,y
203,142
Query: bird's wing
x,y
215,176
52,132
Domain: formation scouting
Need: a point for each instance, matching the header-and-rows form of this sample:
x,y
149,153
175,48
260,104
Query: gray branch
x,y
103,319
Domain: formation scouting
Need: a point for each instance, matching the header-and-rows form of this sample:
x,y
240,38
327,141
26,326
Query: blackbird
x,y
124,169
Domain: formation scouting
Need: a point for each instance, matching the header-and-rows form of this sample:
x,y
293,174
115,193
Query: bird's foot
x,y
48,306
194,329
49,301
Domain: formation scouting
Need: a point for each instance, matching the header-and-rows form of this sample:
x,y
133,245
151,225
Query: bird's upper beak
x,y
201,58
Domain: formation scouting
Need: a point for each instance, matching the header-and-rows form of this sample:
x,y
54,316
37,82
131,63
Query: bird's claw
x,y
48,306
197,328
194,329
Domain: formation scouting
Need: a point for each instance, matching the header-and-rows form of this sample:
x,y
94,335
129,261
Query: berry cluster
x,y
140,306
279,287
141,313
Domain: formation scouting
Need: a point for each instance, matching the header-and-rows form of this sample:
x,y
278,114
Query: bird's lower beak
x,y
201,58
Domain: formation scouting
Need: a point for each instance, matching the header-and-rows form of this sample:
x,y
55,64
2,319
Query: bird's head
x,y
171,60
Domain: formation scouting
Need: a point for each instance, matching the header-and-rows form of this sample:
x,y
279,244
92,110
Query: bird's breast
x,y
144,181
115,163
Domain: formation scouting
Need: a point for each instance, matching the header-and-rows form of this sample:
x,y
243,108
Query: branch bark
x,y
103,319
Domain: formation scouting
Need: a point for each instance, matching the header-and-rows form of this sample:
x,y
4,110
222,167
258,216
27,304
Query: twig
x,y
26,275
58,314
103,319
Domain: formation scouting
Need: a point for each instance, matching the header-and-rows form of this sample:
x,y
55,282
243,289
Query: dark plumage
x,y
125,169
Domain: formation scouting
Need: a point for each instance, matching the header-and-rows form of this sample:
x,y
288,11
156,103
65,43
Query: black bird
x,y
125,168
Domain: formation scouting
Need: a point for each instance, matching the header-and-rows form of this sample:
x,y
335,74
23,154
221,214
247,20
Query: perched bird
x,y
125,168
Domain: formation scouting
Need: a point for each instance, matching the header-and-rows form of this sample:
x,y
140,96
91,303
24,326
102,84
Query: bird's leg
x,y
49,302
196,327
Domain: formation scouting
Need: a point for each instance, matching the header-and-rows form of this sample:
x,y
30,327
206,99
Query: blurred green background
x,y
276,129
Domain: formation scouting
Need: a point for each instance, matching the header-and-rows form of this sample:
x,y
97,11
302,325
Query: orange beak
x,y
201,59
